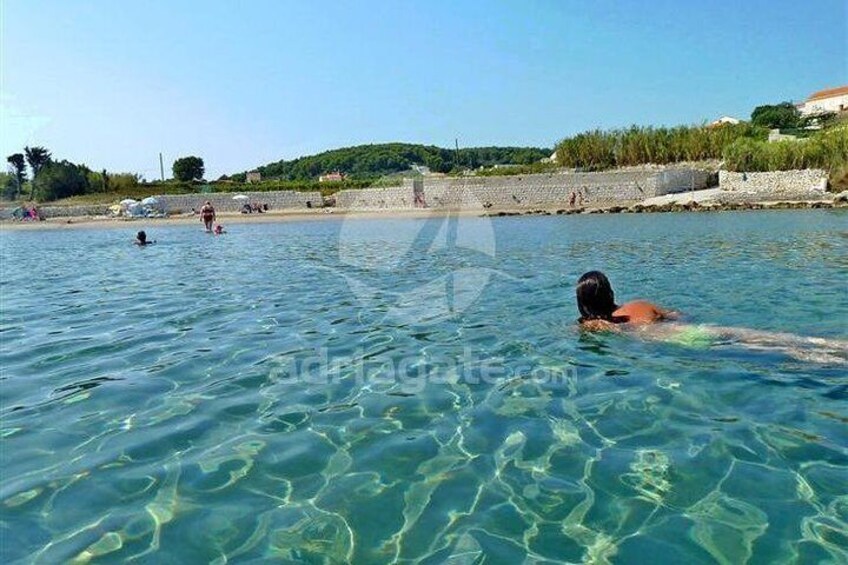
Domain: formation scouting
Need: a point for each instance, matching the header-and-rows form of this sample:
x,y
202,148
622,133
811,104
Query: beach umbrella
x,y
127,202
149,201
240,197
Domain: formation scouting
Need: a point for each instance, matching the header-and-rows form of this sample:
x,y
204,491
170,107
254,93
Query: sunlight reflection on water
x,y
231,399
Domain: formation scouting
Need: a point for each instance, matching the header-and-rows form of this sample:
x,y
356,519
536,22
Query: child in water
x,y
219,229
141,239
599,312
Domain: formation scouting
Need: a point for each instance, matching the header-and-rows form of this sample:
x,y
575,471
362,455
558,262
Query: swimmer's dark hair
x,y
141,236
595,298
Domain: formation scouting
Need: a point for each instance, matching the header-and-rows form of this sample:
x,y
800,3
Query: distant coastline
x,y
230,218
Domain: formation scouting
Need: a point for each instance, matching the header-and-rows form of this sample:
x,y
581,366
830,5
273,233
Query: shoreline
x,y
93,222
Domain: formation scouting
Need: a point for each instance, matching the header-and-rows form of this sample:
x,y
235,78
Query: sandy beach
x,y
227,219
233,218
700,201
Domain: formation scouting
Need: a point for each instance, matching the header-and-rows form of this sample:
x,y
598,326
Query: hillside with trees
x,y
373,161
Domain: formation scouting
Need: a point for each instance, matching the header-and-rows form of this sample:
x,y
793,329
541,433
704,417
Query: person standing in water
x,y
207,215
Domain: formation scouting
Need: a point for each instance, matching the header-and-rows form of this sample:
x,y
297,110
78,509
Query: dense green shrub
x,y
60,179
8,186
827,149
297,185
123,181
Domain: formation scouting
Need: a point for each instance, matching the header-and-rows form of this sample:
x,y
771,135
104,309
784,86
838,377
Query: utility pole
x,y
456,159
161,167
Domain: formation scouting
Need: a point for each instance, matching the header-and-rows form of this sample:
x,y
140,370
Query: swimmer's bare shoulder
x,y
643,312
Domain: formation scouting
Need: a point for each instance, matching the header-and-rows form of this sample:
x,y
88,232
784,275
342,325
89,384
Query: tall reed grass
x,y
827,149
637,145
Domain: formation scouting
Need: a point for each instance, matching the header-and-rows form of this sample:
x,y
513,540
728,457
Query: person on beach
x,y
599,312
207,215
141,239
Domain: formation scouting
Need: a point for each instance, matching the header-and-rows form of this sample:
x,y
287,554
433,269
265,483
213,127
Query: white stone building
x,y
828,100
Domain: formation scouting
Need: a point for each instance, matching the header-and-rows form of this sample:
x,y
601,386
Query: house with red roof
x,y
828,100
332,177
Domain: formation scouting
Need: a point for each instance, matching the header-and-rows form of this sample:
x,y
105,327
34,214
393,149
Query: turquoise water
x,y
300,392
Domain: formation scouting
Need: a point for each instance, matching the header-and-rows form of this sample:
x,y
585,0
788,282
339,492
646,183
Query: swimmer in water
x,y
141,239
599,312
219,229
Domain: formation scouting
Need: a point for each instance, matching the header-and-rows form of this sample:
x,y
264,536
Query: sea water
x,y
374,391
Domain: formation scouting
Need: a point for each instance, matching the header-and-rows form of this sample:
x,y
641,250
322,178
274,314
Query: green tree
x,y
782,116
188,168
37,157
60,179
8,186
18,164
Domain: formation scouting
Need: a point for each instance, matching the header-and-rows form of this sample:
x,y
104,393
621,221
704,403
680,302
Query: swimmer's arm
x,y
668,314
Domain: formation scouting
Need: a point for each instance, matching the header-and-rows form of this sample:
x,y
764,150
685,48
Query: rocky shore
x,y
839,201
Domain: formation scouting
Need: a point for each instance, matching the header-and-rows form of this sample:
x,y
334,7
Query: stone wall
x,y
69,211
393,198
223,202
61,211
775,185
529,191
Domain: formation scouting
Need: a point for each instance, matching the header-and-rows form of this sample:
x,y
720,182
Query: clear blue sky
x,y
113,83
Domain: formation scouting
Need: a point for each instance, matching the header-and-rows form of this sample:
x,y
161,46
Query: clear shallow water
x,y
254,396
